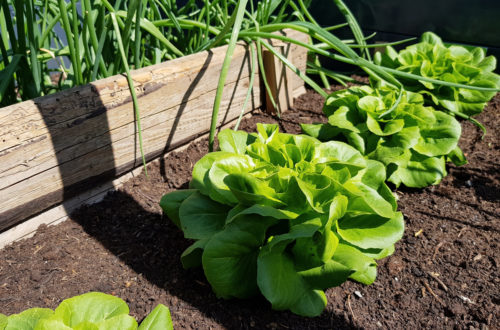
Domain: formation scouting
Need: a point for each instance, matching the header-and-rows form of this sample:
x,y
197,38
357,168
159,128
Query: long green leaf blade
x,y
240,11
132,90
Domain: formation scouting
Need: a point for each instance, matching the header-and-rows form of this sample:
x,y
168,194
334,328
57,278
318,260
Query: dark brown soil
x,y
444,273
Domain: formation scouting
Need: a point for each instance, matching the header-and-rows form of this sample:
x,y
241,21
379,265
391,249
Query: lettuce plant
x,y
90,311
413,141
285,215
451,63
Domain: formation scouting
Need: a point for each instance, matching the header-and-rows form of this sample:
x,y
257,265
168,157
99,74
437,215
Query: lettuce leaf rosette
x,y
285,216
92,310
413,141
432,58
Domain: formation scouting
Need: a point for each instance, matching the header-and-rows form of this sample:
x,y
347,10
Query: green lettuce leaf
x,y
3,321
191,257
285,288
93,310
89,311
411,140
270,211
158,319
171,202
92,307
27,319
201,217
371,231
456,64
230,257
418,171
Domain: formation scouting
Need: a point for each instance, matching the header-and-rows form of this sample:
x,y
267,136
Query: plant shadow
x,y
128,222
482,180
151,245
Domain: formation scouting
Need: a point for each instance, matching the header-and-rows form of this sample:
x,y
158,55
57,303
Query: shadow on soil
x,y
480,179
151,245
132,231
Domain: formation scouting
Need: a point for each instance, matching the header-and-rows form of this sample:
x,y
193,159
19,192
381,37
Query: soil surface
x,y
443,275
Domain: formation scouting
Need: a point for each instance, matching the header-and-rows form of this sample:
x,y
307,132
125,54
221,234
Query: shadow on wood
x,y
59,146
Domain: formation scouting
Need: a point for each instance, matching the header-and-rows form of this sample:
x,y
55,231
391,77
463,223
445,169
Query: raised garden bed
x,y
55,148
444,273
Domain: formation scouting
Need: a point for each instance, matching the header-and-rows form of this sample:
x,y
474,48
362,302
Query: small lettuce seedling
x,y
451,63
285,215
93,310
411,140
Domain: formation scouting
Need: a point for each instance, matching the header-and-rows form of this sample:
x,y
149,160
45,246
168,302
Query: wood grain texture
x,y
283,83
54,147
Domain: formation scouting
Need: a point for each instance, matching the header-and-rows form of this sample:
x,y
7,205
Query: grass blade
x,y
261,67
88,15
303,76
250,87
230,23
132,89
100,46
76,40
322,75
49,30
24,75
7,74
9,26
69,36
132,11
137,36
353,24
33,47
153,30
394,43
236,25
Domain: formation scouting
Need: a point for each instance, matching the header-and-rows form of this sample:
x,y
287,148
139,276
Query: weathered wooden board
x,y
62,212
57,146
283,83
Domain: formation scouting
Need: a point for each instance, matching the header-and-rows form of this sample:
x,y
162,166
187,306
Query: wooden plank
x,y
54,147
283,83
120,155
116,152
34,137
62,212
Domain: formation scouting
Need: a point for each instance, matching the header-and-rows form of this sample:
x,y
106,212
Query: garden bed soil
x,y
444,273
